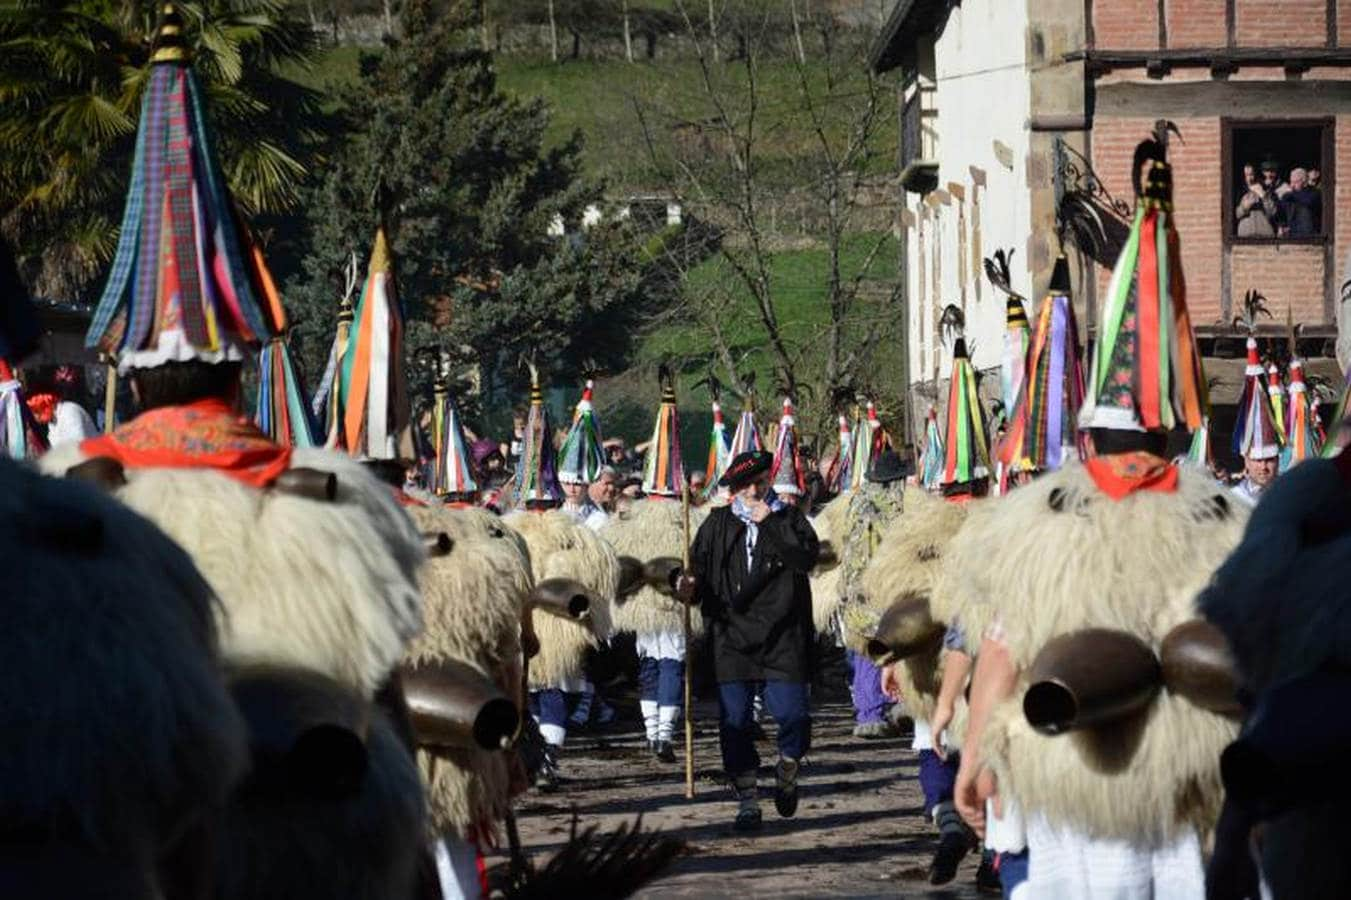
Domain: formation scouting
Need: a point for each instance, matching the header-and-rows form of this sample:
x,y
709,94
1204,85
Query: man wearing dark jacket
x,y
749,565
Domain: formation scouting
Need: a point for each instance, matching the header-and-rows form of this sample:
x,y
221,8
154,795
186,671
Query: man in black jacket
x,y
749,565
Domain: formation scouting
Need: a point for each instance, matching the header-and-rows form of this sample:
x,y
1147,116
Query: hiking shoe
x,y
748,806
952,849
785,787
663,751
987,876
748,819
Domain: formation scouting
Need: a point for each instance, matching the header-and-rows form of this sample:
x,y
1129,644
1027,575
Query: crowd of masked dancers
x,y
288,655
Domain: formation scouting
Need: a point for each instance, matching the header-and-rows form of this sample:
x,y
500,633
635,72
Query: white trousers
x,y
1064,863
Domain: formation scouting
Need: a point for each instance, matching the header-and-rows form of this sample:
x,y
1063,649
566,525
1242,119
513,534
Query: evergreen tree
x,y
468,193
71,77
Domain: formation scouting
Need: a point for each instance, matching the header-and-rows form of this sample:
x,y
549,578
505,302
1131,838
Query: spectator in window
x,y
1315,179
1302,206
1257,212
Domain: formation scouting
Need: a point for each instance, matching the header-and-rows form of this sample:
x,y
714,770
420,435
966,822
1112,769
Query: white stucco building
x,y
1019,117
964,154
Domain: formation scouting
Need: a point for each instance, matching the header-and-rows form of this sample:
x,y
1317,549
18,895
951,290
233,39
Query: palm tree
x,y
71,77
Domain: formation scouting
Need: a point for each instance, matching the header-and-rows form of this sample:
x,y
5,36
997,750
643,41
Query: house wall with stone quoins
x,y
977,110
1224,70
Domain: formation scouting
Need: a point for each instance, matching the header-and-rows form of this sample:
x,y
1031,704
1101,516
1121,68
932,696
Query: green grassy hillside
x,y
597,98
600,98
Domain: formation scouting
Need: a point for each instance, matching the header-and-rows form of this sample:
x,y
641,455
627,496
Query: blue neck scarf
x,y
742,512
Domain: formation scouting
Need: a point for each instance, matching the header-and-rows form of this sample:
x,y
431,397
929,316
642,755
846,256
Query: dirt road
x,y
858,831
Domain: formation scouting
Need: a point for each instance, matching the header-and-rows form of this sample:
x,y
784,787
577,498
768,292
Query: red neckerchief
x,y
405,499
1119,475
206,434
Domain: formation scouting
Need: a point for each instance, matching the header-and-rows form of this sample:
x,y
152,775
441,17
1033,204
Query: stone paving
x,y
857,833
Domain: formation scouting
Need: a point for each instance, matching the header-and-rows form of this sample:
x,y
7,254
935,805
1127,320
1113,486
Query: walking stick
x,y
689,704
110,399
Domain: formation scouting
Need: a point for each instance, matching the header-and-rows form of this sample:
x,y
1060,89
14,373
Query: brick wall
x,y
1134,24
1196,196
1342,234
1288,274
1196,23
1289,23
1126,24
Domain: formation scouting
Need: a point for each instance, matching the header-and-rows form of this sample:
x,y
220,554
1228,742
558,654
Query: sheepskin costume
x,y
561,548
827,586
910,560
120,731
473,598
646,530
1060,556
330,586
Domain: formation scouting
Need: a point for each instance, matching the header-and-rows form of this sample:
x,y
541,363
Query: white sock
x,y
553,735
666,719
650,717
